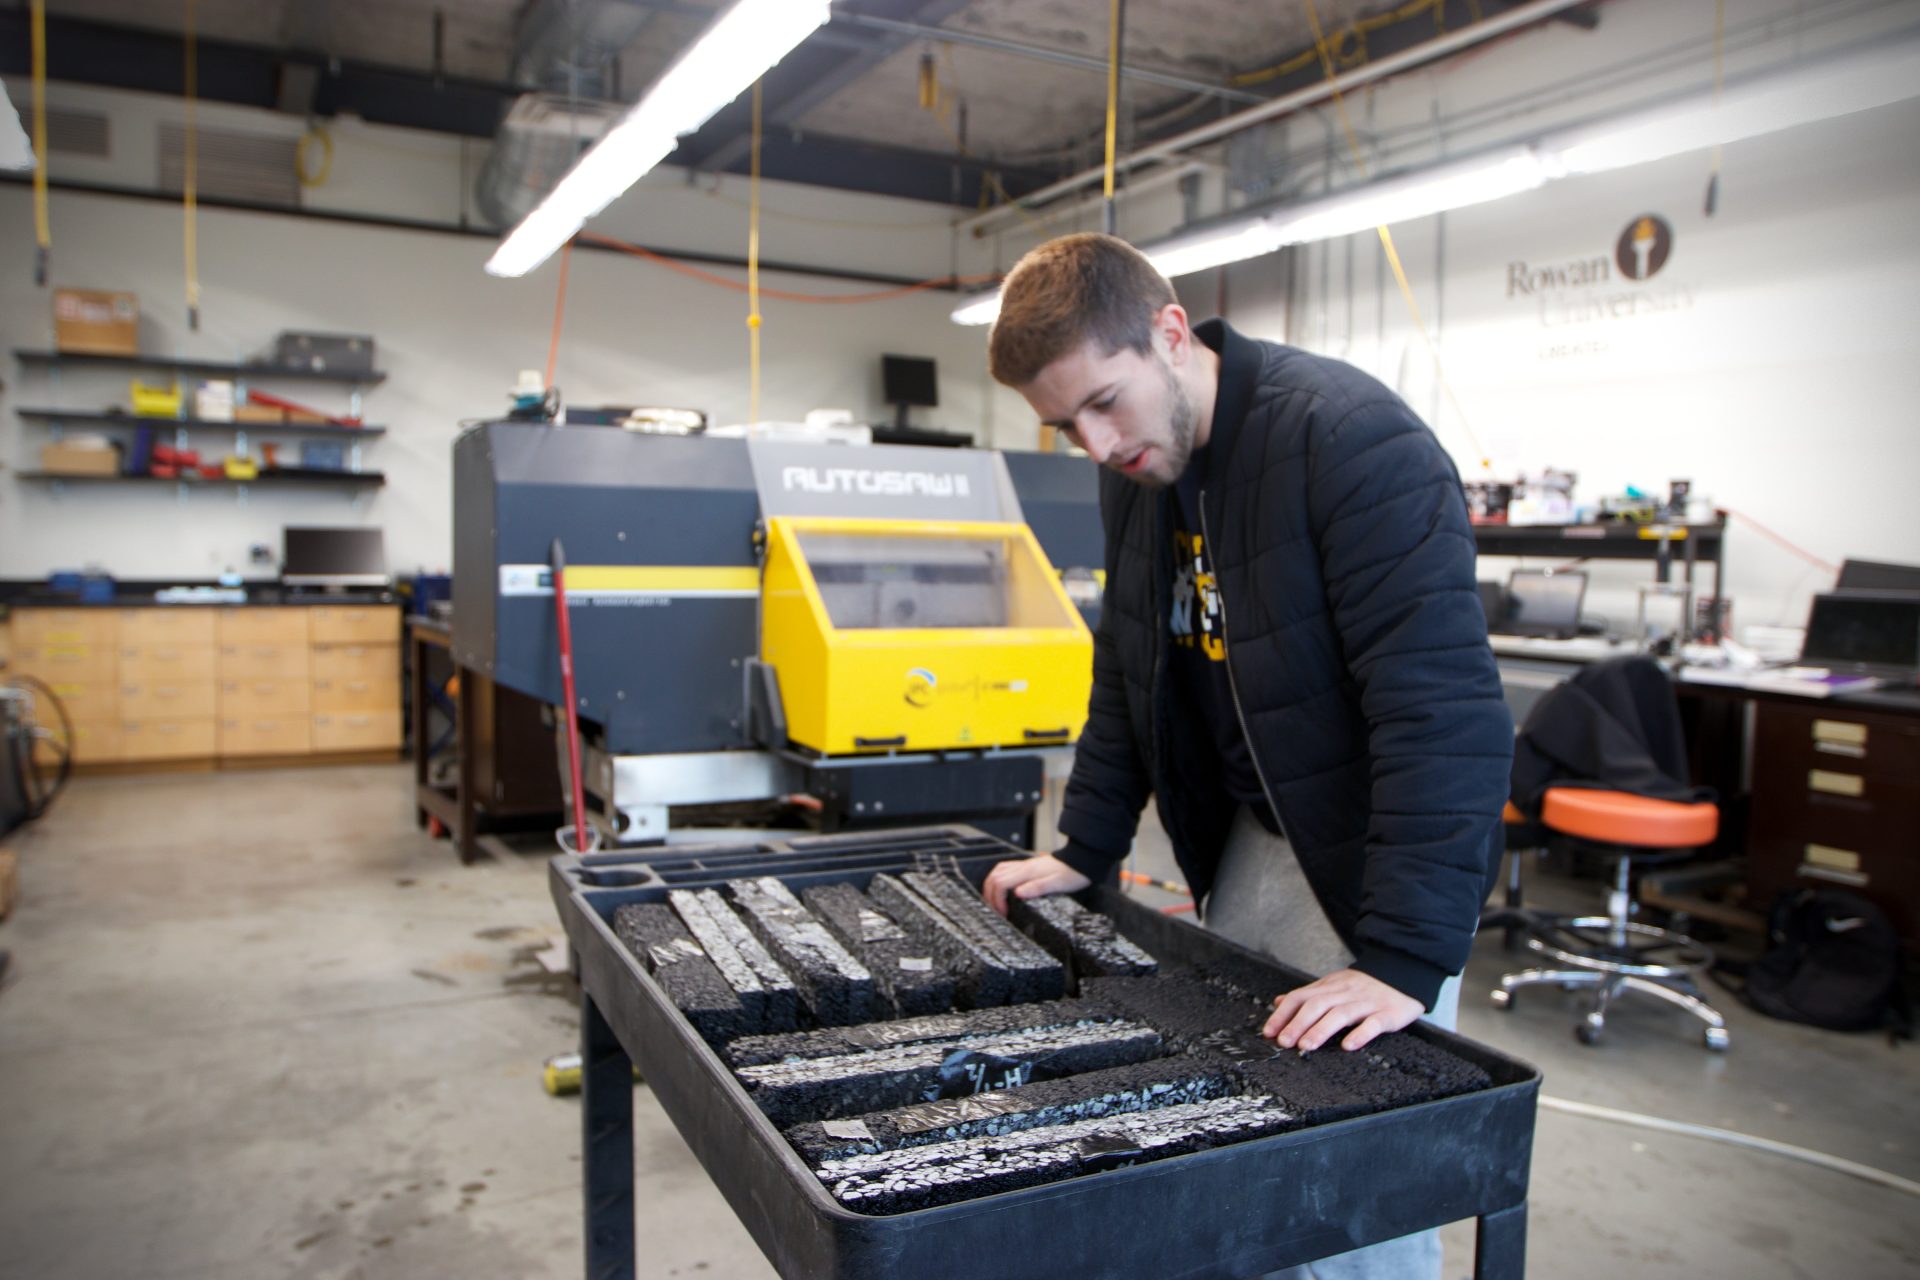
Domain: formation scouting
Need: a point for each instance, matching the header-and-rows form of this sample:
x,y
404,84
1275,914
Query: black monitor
x,y
1493,602
339,557
1543,603
908,381
1875,575
1868,632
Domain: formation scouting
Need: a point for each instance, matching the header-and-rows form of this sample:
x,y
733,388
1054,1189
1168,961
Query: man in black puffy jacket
x,y
1292,657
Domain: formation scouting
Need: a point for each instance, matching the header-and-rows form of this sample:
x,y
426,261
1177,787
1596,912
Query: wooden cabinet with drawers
x,y
355,678
75,653
175,684
168,660
1836,800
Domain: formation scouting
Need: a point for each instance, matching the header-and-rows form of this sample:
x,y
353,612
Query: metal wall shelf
x,y
200,424
277,476
216,367
1597,541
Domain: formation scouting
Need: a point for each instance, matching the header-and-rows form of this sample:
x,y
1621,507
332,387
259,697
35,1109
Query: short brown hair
x,y
1067,291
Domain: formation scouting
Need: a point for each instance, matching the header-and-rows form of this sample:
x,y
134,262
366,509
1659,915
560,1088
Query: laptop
x,y
1878,576
1543,603
1865,633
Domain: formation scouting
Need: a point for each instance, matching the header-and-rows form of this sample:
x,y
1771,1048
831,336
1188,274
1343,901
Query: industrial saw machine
x,y
860,636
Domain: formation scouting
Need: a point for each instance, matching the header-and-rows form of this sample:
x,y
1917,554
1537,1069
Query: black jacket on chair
x,y
1358,654
1615,725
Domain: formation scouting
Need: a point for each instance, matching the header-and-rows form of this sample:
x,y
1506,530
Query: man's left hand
x,y
1312,1015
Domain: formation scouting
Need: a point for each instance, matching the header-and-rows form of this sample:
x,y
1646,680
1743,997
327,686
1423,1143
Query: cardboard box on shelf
x,y
96,322
68,459
258,413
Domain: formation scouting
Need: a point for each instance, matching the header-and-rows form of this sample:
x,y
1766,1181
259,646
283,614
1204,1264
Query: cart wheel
x,y
1588,1030
1501,997
1716,1038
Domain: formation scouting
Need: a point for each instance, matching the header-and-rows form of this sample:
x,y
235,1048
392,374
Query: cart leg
x,y
606,1124
1500,1251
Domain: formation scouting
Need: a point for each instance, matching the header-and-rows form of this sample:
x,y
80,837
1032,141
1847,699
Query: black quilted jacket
x,y
1358,652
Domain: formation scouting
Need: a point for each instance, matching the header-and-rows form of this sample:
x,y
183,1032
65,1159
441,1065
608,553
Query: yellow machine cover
x,y
901,635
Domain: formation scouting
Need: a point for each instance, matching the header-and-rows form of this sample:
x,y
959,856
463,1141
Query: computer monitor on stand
x,y
909,382
334,558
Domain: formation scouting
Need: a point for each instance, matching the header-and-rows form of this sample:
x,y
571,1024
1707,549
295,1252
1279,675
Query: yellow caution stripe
x,y
694,580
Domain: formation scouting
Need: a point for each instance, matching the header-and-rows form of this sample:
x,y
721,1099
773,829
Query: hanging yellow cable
x,y
42,222
1719,80
753,268
1113,90
1386,239
192,177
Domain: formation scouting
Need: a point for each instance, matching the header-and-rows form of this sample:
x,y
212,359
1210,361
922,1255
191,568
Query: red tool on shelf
x,y
572,833
295,407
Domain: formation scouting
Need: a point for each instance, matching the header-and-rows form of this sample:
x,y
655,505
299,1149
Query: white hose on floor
x,y
1865,1172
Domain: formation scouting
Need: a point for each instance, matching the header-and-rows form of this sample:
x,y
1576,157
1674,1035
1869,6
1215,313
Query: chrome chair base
x,y
1611,954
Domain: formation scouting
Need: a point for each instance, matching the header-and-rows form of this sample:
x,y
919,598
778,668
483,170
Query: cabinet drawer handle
x,y
1843,731
1836,784
357,686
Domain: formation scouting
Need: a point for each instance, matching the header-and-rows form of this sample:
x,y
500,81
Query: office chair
x,y
1617,702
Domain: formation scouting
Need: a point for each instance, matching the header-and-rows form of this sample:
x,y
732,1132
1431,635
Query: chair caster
x,y
1716,1038
1501,997
1588,1030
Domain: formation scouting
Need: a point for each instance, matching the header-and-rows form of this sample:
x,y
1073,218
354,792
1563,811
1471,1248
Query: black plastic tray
x,y
1235,1211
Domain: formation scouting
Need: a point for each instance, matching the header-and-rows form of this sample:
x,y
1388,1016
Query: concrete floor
x,y
256,1025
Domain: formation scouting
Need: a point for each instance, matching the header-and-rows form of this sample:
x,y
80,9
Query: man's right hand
x,y
1030,878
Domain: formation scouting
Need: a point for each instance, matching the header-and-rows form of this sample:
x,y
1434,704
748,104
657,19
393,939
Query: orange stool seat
x,y
1621,818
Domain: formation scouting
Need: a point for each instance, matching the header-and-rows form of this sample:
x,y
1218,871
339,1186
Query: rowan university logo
x,y
1643,247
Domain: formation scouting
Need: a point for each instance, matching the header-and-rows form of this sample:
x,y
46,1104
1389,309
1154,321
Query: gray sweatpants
x,y
1261,899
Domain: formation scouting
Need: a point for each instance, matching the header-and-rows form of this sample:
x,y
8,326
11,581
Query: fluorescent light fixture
x,y
736,50
1454,185
980,308
1821,90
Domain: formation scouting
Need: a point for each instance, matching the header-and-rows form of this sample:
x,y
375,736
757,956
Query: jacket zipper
x,y
1233,686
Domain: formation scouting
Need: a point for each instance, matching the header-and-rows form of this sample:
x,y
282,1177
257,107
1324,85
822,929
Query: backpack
x,y
1833,960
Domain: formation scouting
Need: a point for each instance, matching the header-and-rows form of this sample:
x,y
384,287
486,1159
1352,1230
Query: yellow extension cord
x,y
1386,238
42,221
1113,88
190,229
753,267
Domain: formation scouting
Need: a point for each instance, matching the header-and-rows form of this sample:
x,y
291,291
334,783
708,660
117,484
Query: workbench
x,y
1237,1210
283,679
506,768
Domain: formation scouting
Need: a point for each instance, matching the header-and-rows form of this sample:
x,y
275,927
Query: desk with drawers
x,y
231,685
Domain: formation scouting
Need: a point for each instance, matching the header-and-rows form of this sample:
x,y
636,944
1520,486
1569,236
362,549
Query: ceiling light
x,y
981,308
1455,185
1820,90
749,38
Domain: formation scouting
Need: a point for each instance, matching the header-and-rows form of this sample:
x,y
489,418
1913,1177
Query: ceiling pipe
x,y
1439,47
1060,57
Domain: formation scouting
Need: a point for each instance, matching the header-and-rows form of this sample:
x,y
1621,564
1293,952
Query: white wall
x,y
1783,390
450,337
1784,381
